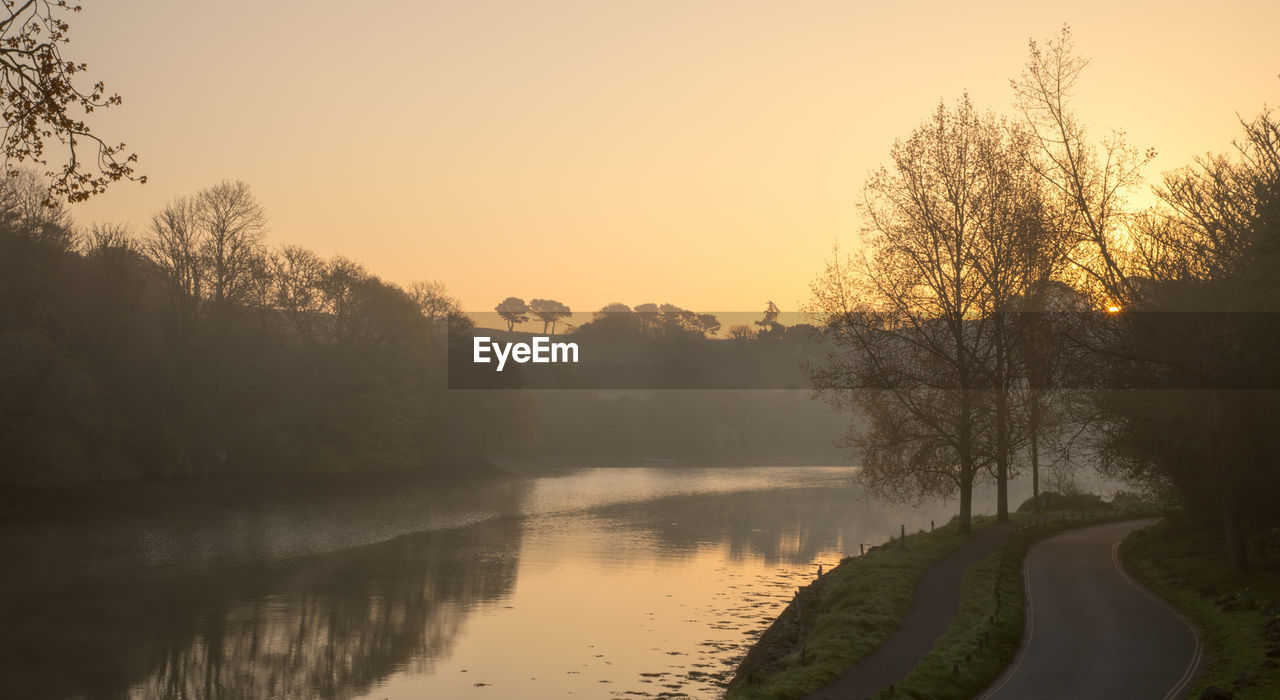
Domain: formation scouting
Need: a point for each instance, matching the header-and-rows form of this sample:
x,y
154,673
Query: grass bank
x,y
841,617
849,612
1238,616
987,630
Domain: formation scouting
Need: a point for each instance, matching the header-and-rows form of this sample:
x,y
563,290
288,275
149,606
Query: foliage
x,y
1233,612
550,312
197,351
42,100
513,310
1008,305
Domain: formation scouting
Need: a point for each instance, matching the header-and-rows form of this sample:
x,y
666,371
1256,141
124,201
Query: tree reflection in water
x,y
784,525
642,579
323,626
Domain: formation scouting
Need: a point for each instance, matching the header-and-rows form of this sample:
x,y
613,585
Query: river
x,y
646,582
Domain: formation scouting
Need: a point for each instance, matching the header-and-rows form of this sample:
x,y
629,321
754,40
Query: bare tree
x,y
1086,181
1018,252
1209,231
209,249
25,205
918,319
176,245
434,300
106,236
341,285
442,309
41,100
233,224
298,276
110,245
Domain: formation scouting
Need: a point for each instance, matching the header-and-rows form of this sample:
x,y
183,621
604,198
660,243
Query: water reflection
x,y
325,626
603,583
795,525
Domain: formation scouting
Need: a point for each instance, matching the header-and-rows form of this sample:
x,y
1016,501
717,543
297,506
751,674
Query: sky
x,y
706,154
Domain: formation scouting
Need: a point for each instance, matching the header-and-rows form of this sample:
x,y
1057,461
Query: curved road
x,y
1093,632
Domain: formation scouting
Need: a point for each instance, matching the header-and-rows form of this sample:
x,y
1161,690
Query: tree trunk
x,y
1002,422
1002,490
966,499
1035,451
1233,534
964,454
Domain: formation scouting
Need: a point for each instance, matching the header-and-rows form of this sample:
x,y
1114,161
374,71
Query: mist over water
x,y
601,582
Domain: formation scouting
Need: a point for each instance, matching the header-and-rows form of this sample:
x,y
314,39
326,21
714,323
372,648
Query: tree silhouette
x,y
434,300
614,308
919,320
233,225
708,324
209,248
1213,249
297,274
650,316
1087,181
513,310
550,312
40,100
769,322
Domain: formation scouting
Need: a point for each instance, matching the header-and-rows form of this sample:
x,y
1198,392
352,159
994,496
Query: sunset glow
x,y
708,155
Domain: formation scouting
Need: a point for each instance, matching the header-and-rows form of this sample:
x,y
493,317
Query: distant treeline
x,y
193,349
652,347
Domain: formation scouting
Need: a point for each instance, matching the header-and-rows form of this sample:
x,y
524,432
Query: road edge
x,y
1195,667
1189,675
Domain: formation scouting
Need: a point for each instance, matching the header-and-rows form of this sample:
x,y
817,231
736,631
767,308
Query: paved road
x,y
935,603
1091,631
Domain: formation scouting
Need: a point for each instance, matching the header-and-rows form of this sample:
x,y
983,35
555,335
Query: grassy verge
x,y
845,615
841,617
985,634
1238,616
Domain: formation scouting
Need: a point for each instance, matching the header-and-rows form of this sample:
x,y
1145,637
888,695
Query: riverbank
x,y
149,497
1237,615
843,616
848,614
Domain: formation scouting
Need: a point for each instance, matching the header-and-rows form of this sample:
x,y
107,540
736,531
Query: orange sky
x,y
707,154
